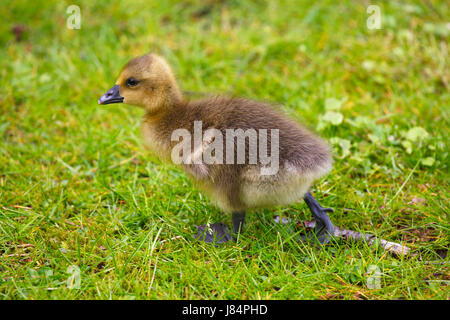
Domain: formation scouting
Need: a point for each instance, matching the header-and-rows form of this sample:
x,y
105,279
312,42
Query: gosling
x,y
236,186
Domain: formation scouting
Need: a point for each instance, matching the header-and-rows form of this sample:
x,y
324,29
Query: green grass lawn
x,y
78,190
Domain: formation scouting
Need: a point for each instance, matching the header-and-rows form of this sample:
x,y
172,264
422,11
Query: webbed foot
x,y
213,233
324,229
218,232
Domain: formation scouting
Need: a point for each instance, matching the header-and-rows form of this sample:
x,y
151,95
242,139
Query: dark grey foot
x,y
218,232
213,233
324,229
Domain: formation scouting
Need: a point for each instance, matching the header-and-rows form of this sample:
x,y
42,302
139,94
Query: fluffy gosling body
x,y
148,82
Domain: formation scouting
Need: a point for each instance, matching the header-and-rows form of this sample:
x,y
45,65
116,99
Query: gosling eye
x,y
132,82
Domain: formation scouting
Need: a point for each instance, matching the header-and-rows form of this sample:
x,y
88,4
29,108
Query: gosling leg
x,y
324,229
238,219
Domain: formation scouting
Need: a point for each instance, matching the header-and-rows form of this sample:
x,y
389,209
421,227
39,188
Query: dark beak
x,y
111,96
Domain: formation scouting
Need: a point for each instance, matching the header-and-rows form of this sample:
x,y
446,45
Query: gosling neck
x,y
172,102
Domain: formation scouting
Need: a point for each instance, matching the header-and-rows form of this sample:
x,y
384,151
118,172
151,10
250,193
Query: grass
x,y
78,191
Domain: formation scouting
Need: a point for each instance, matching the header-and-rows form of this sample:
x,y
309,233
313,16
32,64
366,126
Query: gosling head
x,y
146,82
